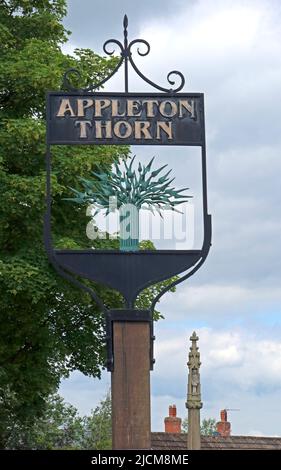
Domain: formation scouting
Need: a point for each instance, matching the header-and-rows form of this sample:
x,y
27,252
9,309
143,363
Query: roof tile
x,y
164,441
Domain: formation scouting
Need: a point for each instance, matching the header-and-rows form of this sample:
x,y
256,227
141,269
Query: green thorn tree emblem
x,y
131,190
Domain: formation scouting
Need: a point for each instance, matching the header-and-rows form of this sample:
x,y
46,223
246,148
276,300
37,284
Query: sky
x,y
230,51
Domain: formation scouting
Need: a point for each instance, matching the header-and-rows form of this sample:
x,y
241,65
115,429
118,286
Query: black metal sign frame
x,y
127,272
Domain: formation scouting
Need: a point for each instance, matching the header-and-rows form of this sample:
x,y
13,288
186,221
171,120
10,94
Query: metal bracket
x,y
126,316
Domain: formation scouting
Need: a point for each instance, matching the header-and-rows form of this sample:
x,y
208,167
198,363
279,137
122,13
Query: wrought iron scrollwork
x,y
126,58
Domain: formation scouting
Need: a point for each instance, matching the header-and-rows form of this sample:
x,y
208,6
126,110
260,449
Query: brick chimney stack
x,y
172,423
223,426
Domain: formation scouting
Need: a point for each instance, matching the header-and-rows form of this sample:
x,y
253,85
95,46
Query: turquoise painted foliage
x,y
142,187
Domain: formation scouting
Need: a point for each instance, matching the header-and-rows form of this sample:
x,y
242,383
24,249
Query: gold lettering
x,y
163,109
115,109
124,124
150,107
141,129
65,107
100,105
133,107
83,128
166,127
189,106
83,104
103,125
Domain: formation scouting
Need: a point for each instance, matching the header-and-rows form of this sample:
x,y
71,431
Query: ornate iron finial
x,y
194,386
125,24
126,58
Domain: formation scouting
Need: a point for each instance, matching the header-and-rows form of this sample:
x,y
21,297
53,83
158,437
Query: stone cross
x,y
194,403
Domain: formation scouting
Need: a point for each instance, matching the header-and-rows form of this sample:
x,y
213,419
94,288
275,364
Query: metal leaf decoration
x,y
140,188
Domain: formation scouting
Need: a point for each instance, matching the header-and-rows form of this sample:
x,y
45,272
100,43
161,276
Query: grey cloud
x,y
94,21
239,370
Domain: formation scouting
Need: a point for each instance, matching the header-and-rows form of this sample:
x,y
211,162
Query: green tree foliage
x,y
61,427
98,426
207,427
48,327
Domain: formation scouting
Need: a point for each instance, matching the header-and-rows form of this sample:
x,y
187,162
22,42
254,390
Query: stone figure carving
x,y
194,388
195,380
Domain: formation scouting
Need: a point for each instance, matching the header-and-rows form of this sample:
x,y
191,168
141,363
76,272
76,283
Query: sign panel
x,y
125,118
